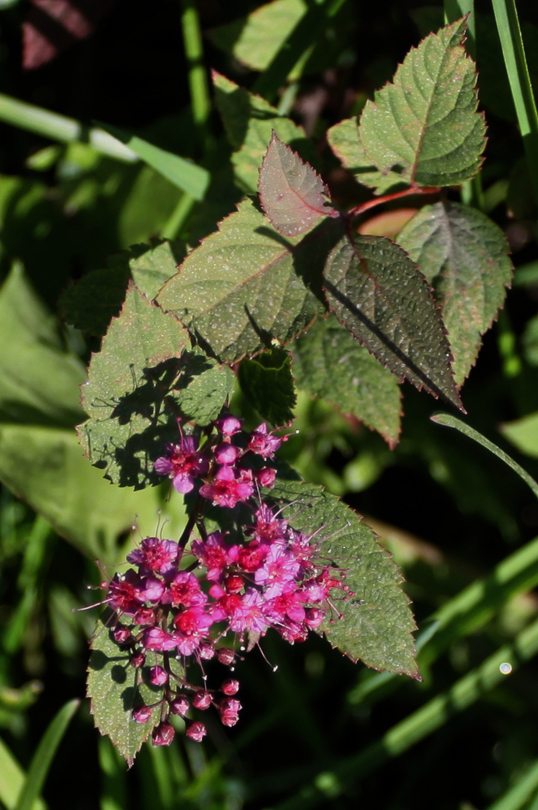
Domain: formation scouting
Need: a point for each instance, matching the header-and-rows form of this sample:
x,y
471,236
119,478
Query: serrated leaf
x,y
424,127
249,121
39,379
115,688
378,293
267,382
125,395
377,623
330,363
464,255
206,387
292,194
345,142
245,285
152,265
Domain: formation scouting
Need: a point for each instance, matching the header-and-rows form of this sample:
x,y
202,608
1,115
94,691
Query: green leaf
x,y
183,173
45,466
523,434
377,623
377,292
530,341
98,296
424,128
330,363
345,142
115,688
249,121
464,255
245,285
40,379
267,382
256,39
125,395
143,379
292,194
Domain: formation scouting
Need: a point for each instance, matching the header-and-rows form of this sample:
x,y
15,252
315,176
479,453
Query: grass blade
x,y
60,128
44,755
520,793
520,83
451,421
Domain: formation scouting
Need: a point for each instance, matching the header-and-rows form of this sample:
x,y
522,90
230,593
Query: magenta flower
x,y
228,425
249,615
196,731
279,567
229,487
163,734
124,592
226,453
157,640
214,554
263,443
184,590
154,555
183,463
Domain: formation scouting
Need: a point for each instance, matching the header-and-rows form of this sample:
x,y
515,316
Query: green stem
x,y
454,9
522,791
60,128
178,217
198,84
520,83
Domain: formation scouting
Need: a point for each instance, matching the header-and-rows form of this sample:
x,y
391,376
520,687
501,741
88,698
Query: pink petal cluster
x,y
200,604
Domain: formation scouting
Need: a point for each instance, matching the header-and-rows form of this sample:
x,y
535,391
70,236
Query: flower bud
x,y
226,453
142,714
230,687
314,617
121,634
206,651
202,699
266,476
229,719
163,734
180,706
158,676
196,731
234,583
137,660
226,656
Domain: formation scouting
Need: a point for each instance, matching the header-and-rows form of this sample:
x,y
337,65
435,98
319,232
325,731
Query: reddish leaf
x,y
54,25
292,194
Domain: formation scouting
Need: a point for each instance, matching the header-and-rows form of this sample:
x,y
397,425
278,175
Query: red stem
x,y
360,209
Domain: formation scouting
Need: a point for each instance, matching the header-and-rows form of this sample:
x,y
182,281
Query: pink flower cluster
x,y
200,604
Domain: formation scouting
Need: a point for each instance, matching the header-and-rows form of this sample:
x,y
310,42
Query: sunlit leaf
x,y
345,142
425,127
330,363
292,194
377,622
523,434
377,292
245,285
116,688
464,255
249,121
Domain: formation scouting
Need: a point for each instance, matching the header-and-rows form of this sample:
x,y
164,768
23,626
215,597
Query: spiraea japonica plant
x,y
288,293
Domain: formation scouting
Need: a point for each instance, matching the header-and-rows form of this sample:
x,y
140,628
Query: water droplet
x,y
505,668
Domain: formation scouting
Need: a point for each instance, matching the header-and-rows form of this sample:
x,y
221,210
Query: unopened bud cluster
x,y
221,593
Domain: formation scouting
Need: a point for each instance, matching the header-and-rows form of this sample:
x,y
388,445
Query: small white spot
x,y
505,668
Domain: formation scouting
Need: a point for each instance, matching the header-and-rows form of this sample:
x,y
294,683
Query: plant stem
x,y
198,85
520,83
407,192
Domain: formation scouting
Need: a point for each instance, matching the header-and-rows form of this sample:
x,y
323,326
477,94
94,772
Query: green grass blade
x,y
44,755
303,36
451,421
520,82
422,723
60,128
520,793
183,173
194,54
12,779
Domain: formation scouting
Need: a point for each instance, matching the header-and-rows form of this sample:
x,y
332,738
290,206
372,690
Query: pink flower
x,y
154,555
192,625
249,614
280,567
196,731
157,640
268,529
229,487
214,554
163,734
183,463
124,592
263,443
184,590
266,476
226,453
228,425
157,676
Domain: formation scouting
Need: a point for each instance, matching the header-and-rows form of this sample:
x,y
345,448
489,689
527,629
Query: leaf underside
x,y
267,382
424,127
377,292
378,622
464,255
292,194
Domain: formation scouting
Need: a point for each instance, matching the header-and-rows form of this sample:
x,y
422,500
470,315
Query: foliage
x,y
213,264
